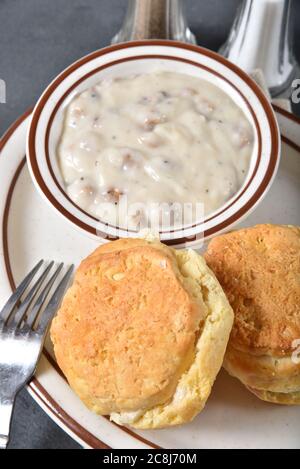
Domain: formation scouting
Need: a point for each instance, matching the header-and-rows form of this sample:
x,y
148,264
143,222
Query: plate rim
x,y
75,430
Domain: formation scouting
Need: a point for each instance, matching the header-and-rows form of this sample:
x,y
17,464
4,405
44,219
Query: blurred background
x,y
38,39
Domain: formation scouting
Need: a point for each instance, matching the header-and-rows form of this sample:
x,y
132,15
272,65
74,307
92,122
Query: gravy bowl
x,y
144,57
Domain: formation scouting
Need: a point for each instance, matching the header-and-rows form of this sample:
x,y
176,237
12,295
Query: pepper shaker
x,y
155,19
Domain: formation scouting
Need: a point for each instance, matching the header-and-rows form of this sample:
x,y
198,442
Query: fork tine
x,y
22,310
15,297
32,316
54,302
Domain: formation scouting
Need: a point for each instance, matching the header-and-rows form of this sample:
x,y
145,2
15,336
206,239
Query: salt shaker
x,y
261,39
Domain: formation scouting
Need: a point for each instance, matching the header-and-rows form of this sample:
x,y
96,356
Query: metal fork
x,y
23,327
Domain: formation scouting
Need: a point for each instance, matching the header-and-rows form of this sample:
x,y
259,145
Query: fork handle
x,y
6,409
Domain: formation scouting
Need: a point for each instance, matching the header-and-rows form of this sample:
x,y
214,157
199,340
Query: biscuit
x,y
142,332
259,270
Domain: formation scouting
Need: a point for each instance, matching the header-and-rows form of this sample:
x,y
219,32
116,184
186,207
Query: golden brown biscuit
x,y
286,398
128,333
259,269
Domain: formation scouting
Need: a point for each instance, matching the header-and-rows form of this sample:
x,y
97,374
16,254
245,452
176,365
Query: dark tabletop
x,y
38,39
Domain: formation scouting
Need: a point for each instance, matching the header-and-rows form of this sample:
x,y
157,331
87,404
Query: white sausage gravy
x,y
156,138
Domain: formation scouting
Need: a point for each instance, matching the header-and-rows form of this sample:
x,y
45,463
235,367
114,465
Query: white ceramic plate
x,y
233,417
